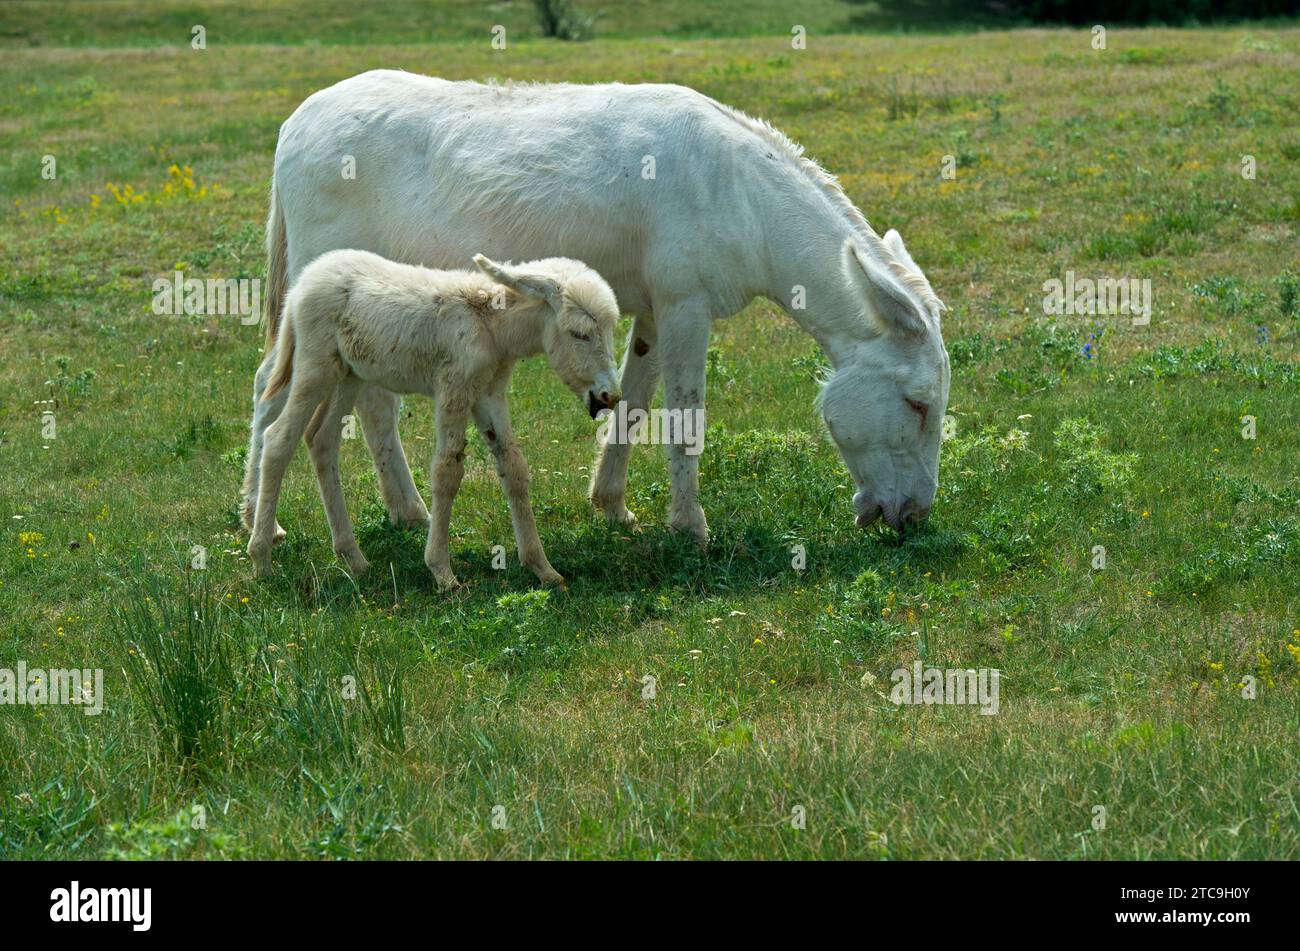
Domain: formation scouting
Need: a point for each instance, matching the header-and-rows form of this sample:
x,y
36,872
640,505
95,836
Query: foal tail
x,y
282,372
277,276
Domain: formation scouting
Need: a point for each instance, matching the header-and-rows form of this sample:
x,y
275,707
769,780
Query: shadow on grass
x,y
780,525
599,560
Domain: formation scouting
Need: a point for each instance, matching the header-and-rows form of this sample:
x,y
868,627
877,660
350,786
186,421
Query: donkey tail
x,y
282,372
277,250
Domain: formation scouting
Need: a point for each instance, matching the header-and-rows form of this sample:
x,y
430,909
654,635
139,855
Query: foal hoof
x,y
279,534
261,561
615,512
693,525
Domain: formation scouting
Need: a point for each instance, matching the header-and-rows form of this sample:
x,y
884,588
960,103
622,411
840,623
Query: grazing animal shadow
x,y
601,560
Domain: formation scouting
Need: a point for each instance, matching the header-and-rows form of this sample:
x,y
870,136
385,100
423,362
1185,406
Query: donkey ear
x,y
894,242
531,285
887,303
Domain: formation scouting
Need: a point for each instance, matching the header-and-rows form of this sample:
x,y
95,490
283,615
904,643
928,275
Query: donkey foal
x,y
354,318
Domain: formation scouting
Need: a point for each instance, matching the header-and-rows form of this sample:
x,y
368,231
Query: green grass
x,y
309,716
341,22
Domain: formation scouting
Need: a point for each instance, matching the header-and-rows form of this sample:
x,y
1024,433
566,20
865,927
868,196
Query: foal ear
x,y
531,285
887,302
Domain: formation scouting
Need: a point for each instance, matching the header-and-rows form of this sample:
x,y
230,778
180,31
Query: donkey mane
x,y
830,186
810,168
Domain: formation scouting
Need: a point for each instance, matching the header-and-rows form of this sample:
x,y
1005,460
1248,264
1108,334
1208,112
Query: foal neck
x,y
518,331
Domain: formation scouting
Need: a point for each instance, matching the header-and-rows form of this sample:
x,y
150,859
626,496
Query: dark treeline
x,y
1147,11
1079,12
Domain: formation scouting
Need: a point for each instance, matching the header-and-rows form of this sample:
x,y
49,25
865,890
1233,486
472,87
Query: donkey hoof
x,y
279,534
356,562
622,518
447,583
415,519
552,579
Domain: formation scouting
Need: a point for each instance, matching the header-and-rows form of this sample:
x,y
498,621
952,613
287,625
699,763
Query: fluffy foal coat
x,y
354,318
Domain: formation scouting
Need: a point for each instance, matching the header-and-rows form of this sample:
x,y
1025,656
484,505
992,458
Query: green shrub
x,y
563,20
1088,468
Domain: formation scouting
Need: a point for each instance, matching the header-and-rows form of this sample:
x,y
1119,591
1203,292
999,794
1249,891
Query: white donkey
x,y
689,209
354,318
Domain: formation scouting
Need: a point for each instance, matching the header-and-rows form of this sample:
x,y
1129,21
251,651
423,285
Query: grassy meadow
x,y
508,722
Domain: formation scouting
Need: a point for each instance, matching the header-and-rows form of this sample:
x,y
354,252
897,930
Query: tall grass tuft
x,y
385,704
179,664
312,709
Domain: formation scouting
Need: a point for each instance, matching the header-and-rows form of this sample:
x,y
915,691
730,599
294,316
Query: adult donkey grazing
x,y
688,208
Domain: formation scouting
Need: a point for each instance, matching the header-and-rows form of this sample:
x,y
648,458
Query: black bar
x,y
944,900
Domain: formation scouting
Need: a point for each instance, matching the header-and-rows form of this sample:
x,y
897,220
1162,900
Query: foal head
x,y
578,335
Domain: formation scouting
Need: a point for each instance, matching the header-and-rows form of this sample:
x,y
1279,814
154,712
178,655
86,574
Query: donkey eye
x,y
585,338
919,408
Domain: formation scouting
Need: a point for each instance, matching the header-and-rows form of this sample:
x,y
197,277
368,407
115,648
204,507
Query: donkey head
x,y
885,403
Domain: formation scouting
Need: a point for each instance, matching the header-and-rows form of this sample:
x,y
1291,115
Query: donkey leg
x,y
323,439
265,412
608,487
378,409
306,392
492,417
445,473
685,356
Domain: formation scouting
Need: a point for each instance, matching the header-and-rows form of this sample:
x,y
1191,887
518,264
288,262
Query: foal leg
x,y
608,487
445,472
306,392
324,436
378,409
492,417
